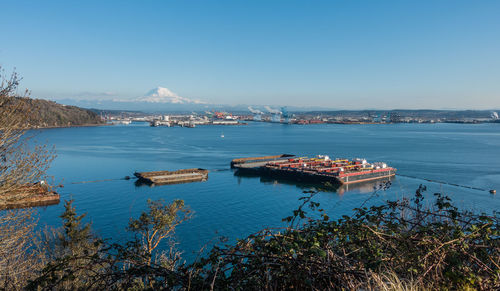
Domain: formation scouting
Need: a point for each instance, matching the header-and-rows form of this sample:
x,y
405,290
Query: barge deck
x,y
172,177
258,161
318,170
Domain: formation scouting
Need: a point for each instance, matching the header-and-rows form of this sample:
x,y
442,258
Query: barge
x,y
30,195
258,161
172,177
320,169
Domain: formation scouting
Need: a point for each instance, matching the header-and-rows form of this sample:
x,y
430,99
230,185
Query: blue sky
x,y
337,54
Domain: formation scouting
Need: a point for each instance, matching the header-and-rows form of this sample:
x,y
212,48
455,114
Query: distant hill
x,y
45,113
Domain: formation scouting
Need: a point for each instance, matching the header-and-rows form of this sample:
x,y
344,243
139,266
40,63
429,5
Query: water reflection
x,y
365,187
362,187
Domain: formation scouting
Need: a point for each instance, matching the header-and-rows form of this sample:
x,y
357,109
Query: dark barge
x,y
172,177
319,170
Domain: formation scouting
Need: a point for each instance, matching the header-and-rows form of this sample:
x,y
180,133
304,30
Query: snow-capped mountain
x,y
164,95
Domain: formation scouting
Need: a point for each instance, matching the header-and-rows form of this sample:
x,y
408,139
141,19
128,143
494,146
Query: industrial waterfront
x,y
93,161
282,115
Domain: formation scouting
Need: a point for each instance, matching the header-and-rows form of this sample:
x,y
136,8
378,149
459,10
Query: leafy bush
x,y
439,246
397,243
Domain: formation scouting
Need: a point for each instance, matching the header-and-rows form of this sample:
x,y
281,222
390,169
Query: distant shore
x,y
68,126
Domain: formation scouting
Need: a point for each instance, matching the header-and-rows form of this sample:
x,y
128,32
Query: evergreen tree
x,y
77,248
75,237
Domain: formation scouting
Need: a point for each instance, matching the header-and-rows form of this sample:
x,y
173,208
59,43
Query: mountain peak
x,y
165,95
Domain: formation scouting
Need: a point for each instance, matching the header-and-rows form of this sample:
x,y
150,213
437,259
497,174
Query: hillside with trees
x,y
52,114
44,113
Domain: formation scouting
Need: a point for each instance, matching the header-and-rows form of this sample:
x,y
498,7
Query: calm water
x,y
235,206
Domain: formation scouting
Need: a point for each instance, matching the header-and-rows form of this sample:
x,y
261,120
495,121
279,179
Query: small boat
x,y
222,135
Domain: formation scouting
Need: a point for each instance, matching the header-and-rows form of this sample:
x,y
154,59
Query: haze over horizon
x,y
330,54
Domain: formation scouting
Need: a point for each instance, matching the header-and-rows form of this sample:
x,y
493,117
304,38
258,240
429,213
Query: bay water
x,y
92,162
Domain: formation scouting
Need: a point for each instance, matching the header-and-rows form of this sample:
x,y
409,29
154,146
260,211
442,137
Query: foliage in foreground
x,y
431,247
21,161
83,261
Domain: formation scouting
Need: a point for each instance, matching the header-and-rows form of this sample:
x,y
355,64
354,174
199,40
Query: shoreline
x,y
69,126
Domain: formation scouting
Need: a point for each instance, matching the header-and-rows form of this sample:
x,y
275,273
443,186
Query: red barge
x,y
317,170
